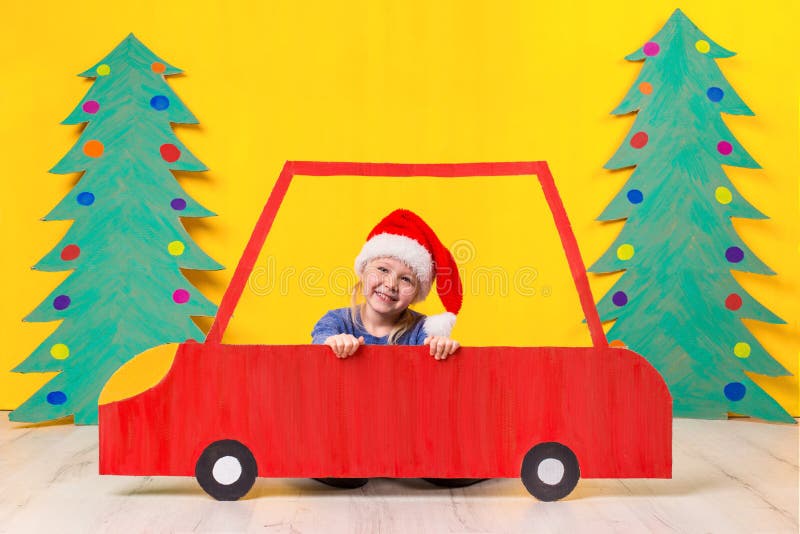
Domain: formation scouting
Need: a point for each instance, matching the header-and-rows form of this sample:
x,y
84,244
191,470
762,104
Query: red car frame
x,y
227,414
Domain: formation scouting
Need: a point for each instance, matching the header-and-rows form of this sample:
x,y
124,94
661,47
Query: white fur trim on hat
x,y
439,325
405,249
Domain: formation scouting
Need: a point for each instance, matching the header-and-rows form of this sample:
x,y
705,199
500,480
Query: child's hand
x,y
344,345
441,347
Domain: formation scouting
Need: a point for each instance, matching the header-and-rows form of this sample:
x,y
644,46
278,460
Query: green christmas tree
x,y
677,302
126,246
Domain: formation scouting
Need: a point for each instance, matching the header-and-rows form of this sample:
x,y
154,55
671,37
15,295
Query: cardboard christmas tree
x,y
126,248
677,302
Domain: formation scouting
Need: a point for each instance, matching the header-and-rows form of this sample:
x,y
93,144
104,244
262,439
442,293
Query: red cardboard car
x,y
227,414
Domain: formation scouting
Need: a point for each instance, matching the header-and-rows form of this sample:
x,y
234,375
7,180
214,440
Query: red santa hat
x,y
404,235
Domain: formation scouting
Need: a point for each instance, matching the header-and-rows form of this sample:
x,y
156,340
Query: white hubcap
x,y
550,471
227,470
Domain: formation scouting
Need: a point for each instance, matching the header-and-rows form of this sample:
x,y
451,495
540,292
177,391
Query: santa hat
x,y
404,235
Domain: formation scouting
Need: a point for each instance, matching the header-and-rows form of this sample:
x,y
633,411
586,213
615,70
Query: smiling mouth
x,y
384,296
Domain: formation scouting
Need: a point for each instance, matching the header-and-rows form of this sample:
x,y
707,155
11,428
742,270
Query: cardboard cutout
x,y
677,303
127,246
229,413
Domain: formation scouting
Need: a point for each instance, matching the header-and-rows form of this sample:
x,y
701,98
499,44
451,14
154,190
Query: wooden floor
x,y
729,476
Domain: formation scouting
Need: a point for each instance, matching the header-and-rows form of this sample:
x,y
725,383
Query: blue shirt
x,y
340,322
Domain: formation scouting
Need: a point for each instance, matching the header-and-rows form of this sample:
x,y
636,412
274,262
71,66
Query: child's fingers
x,y
450,347
337,344
344,345
348,345
339,348
345,349
427,340
331,342
441,352
441,348
438,346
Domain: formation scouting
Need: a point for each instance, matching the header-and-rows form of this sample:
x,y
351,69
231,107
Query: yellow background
x,y
410,81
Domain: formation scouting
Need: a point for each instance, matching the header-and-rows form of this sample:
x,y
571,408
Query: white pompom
x,y
439,325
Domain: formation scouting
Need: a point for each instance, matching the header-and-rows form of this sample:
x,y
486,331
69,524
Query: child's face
x,y
389,285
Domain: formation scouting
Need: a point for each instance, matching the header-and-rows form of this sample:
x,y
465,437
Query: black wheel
x,y
550,471
226,470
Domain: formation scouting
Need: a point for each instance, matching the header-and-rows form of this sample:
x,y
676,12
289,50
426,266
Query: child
x,y
396,268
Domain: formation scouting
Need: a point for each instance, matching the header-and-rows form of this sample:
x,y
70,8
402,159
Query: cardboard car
x,y
227,414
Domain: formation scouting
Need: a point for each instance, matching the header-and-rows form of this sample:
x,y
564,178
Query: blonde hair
x,y
404,323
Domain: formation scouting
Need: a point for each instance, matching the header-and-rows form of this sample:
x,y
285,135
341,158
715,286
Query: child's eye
x,y
406,279
383,269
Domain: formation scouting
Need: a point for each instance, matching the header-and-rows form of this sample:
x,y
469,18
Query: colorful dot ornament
x,y
91,107
59,351
723,195
103,70
735,391
620,298
180,296
176,248
178,204
158,67
85,198
741,350
170,153
734,254
93,148
61,302
625,252
702,46
159,102
724,148
651,49
56,398
70,252
733,302
639,140
715,94
645,88
635,196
